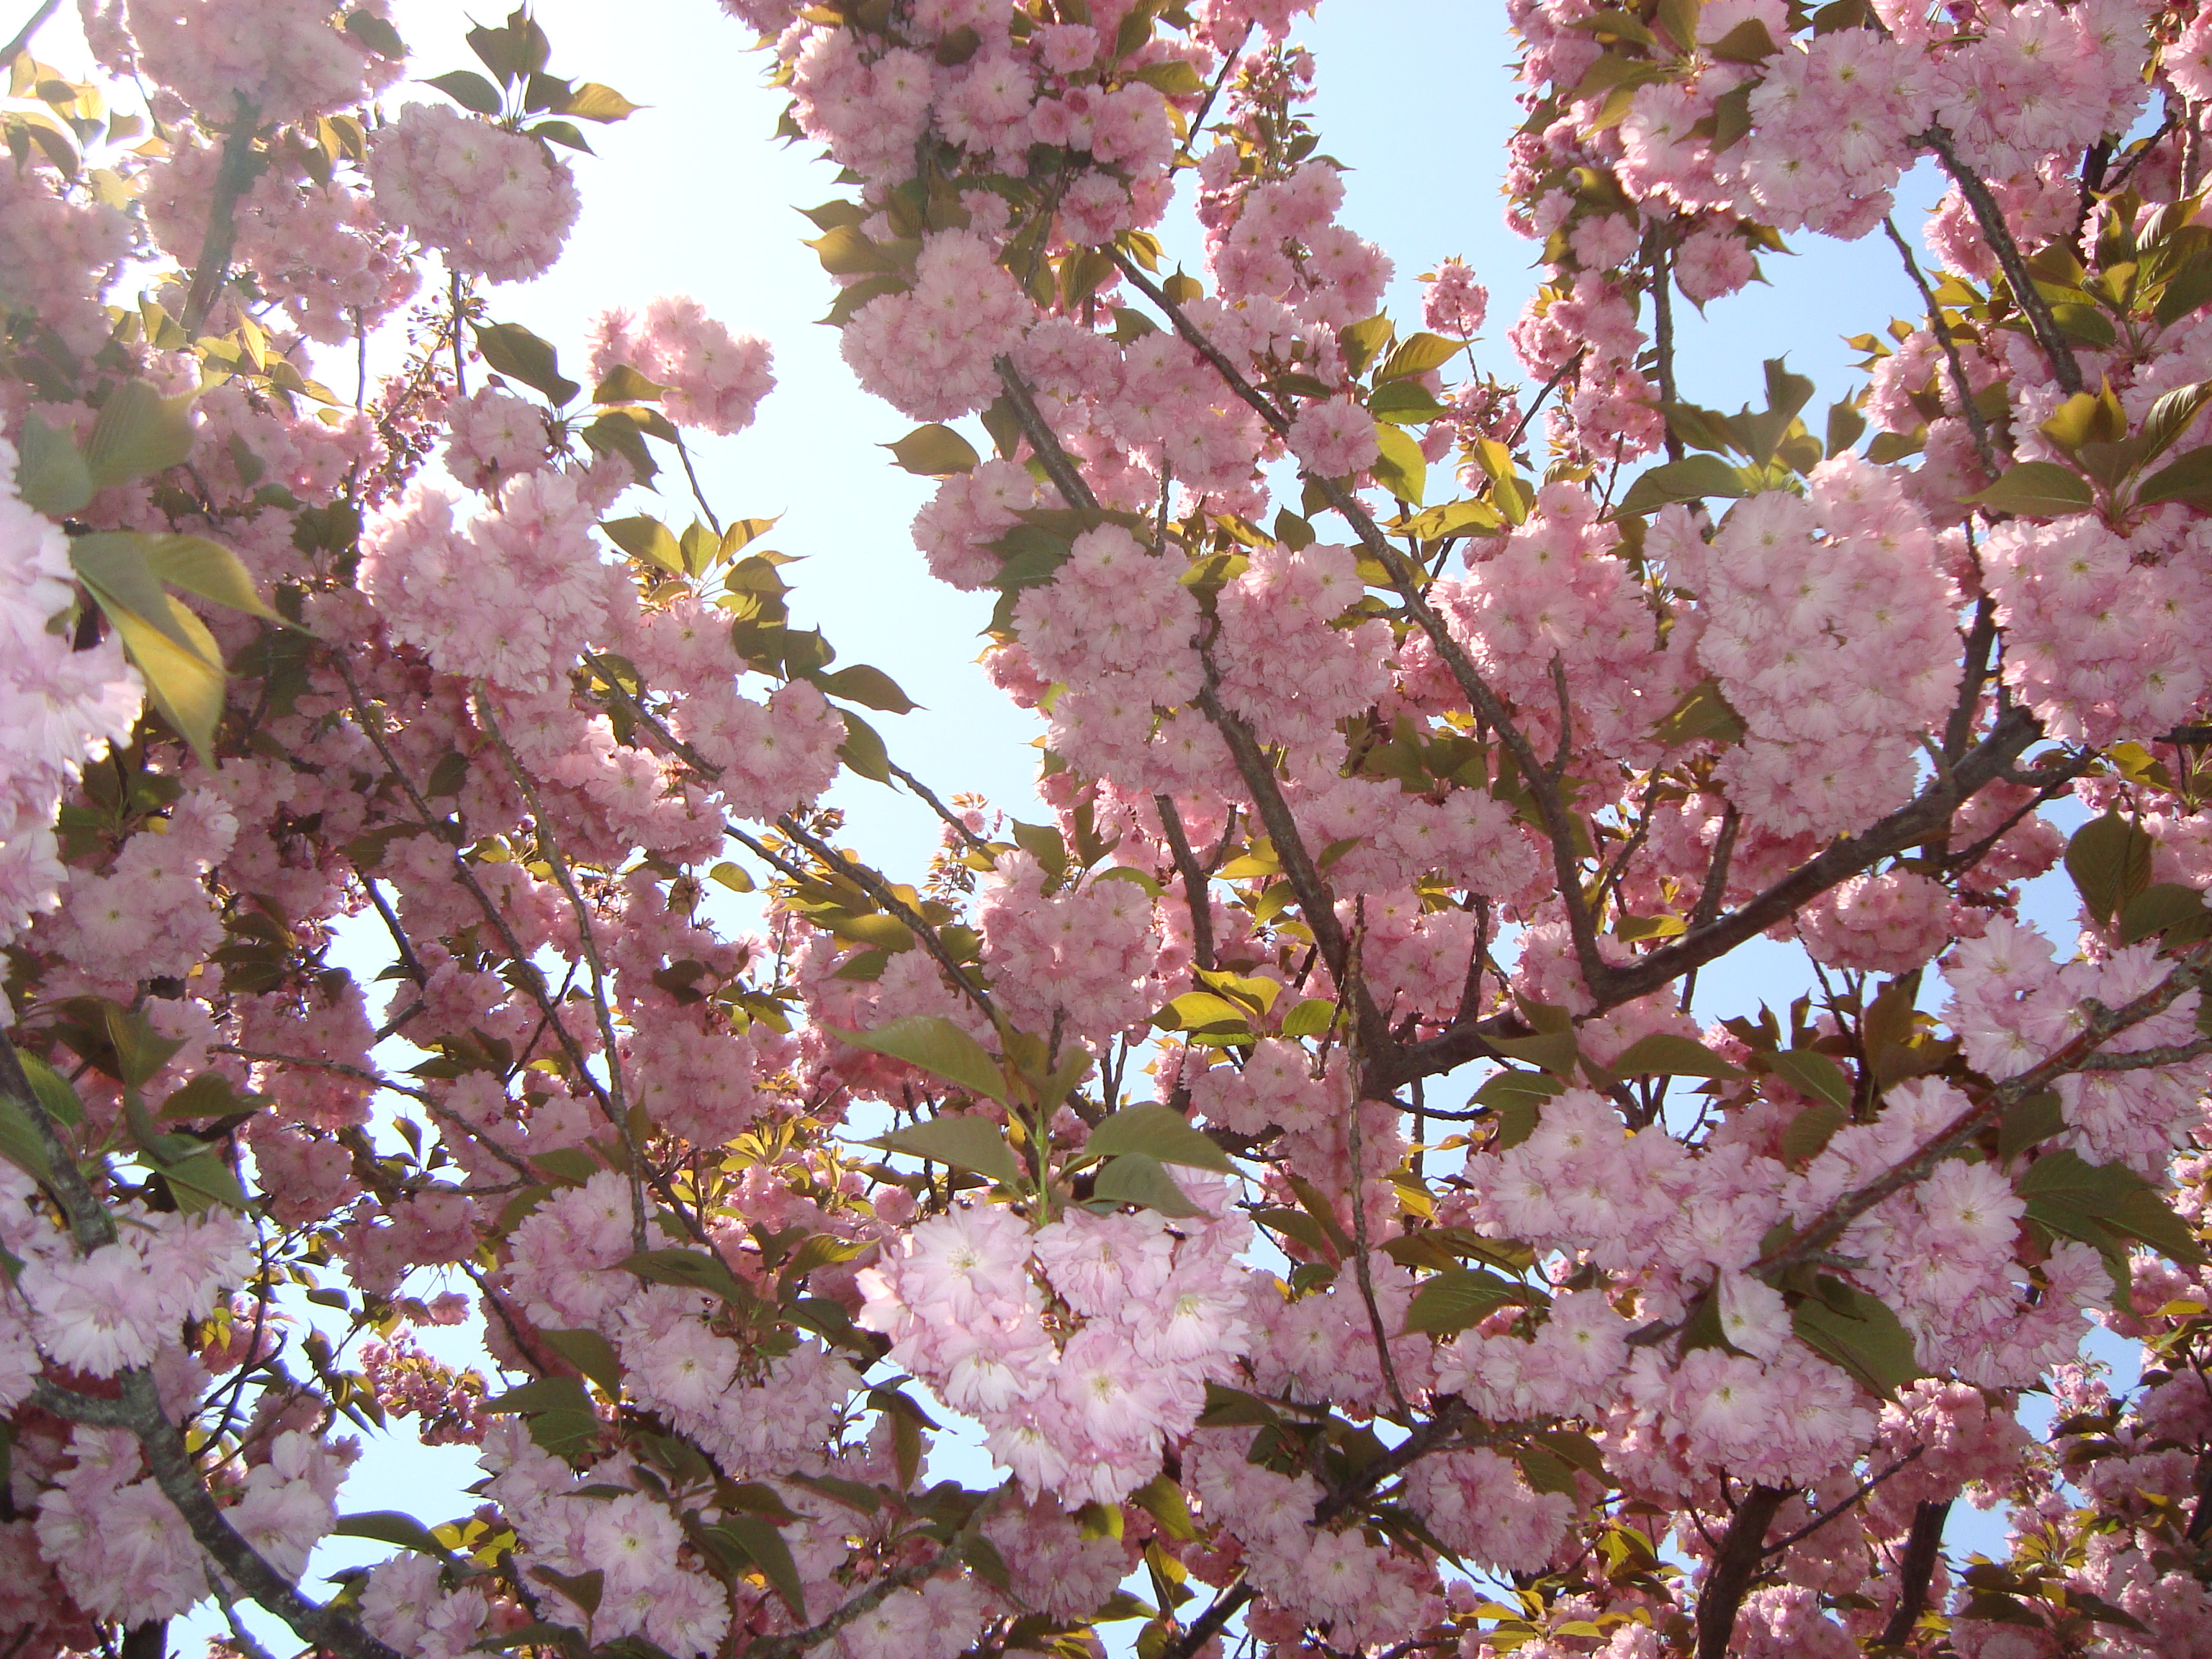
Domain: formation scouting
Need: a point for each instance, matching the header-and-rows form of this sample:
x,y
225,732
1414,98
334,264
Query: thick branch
x,y
1924,1548
1990,217
1194,879
232,180
1735,1563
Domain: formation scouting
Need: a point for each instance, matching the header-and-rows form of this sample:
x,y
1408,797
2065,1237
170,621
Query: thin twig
x,y
1983,445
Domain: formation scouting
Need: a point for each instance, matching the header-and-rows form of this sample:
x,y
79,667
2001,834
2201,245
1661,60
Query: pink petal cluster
x,y
495,203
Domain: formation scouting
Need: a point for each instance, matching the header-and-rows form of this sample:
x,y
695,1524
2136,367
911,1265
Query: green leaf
x,y
1453,519
1664,1054
936,1046
1158,1130
2043,489
391,1527
764,1546
468,89
1812,1073
1405,403
623,385
209,1095
693,1270
863,684
1400,469
2028,1122
1360,341
2166,908
1546,1470
137,432
209,569
591,102
52,1089
1810,1131
863,750
516,352
2171,416
1176,76
2112,1195
1704,713
966,1143
49,475
1162,1499
590,1353
1417,354
377,35
1748,42
1139,1178
203,1179
184,680
18,1141
1692,479
2085,324
1447,1303
2187,479
2109,860
1309,1018
933,451
1859,1332
646,539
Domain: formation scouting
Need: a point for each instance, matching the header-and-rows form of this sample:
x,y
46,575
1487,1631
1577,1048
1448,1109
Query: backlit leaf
x,y
936,1046
1158,1130
2043,489
966,1143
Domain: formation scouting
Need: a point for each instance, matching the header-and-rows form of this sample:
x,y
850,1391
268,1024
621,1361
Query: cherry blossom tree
x,y
1295,1154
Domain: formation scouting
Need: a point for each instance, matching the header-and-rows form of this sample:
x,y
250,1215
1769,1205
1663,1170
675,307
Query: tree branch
x,y
1735,1563
1923,1548
1990,217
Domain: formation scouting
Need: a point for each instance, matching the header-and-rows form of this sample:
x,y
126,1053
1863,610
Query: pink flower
x,y
1335,439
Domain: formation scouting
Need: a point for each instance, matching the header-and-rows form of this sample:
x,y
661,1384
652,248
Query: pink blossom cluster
x,y
713,379
2013,1004
1359,1591
495,436
286,60
1829,622
1081,960
2100,625
931,352
1149,1313
492,203
1282,609
512,598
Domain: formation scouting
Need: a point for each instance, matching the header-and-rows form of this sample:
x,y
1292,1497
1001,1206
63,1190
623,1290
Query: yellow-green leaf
x,y
936,1046
967,1143
209,569
1400,469
933,451
1159,1131
2043,488
137,432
